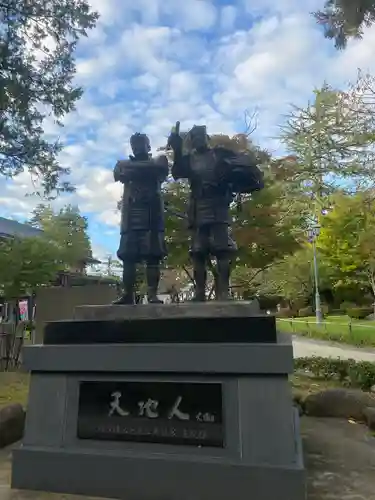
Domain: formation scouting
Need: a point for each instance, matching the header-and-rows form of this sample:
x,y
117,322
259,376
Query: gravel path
x,y
308,347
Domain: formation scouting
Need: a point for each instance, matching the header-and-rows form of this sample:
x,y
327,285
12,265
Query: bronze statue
x,y
215,176
142,217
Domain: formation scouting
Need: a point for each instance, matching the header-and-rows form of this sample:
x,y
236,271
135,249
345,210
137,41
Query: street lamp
x,y
313,233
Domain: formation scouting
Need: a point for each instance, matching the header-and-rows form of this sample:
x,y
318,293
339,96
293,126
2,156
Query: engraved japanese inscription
x,y
180,413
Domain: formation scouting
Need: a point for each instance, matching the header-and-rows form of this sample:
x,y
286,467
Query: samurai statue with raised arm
x,y
215,176
142,217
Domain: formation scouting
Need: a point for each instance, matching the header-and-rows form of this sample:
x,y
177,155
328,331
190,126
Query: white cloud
x,y
152,62
183,85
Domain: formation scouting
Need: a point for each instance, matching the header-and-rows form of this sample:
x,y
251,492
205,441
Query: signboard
x,y
179,413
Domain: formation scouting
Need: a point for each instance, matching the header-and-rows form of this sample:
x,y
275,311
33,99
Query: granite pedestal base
x,y
152,421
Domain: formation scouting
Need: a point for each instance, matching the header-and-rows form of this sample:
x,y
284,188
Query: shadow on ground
x,y
340,458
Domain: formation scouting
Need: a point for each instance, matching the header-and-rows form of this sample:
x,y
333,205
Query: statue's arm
x,y
120,172
181,167
163,167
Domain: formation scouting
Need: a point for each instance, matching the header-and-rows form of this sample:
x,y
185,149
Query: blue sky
x,y
149,63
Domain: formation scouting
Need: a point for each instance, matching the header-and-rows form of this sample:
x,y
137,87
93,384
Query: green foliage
x,y
37,43
344,19
348,372
31,262
26,264
344,306
267,227
331,139
292,276
359,312
335,329
68,230
346,242
176,197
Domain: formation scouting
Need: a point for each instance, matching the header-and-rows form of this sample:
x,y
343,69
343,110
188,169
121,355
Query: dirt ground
x,y
340,458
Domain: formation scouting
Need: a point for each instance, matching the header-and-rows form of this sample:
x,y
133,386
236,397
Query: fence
x,y
353,332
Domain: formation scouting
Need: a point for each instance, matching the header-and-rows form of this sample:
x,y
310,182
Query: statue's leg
x,y
200,277
153,278
223,276
128,280
198,252
223,247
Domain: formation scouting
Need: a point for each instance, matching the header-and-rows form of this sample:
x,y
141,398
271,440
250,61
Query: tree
x,y
344,19
293,277
26,264
176,196
346,240
113,268
37,43
331,139
269,224
67,229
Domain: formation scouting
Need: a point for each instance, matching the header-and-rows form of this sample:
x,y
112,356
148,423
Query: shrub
x,y
351,373
359,312
338,312
344,306
305,311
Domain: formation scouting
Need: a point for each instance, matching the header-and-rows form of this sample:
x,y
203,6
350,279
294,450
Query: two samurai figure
x,y
215,176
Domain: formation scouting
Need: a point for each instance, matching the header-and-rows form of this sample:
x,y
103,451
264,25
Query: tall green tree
x,y
331,138
292,277
26,264
346,241
68,229
345,19
269,224
38,39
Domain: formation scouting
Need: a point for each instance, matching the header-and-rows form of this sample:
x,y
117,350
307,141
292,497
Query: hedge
x,y
359,312
351,373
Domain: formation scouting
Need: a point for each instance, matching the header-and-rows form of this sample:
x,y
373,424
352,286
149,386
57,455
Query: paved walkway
x,y
309,347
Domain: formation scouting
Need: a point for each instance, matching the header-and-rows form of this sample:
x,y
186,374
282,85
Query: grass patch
x,y
14,388
333,328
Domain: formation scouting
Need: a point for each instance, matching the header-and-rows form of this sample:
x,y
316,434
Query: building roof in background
x,y
12,228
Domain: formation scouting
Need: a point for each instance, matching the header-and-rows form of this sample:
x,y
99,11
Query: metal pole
x,y
318,308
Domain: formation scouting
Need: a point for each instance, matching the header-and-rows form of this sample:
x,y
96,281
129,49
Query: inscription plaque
x,y
180,413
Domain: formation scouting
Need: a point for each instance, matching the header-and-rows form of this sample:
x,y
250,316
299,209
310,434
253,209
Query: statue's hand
x,y
175,141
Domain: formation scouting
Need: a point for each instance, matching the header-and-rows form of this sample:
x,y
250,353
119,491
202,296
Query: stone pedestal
x,y
177,402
